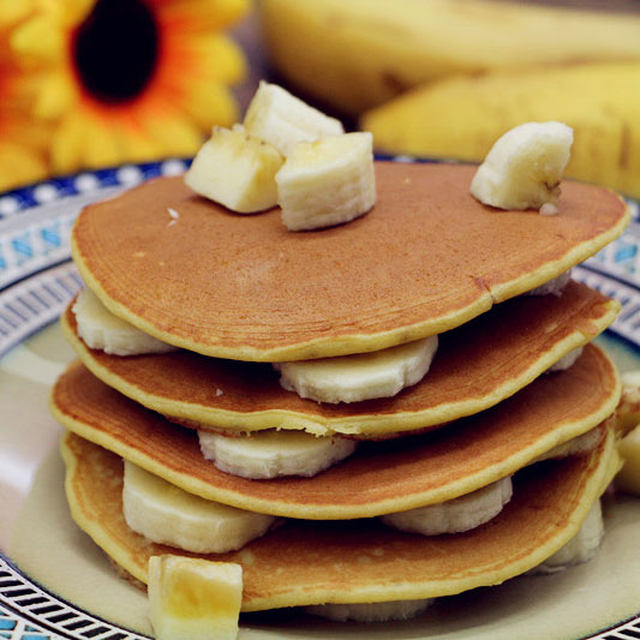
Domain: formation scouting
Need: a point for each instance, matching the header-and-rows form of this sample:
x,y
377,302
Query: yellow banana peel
x,y
355,54
462,117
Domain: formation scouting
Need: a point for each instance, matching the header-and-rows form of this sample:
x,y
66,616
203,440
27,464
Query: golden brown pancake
x,y
476,366
302,562
379,478
426,259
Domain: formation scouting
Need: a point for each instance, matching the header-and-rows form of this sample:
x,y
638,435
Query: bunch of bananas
x,y
448,77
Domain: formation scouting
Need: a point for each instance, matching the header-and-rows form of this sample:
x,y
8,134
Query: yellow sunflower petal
x,y
174,133
210,104
67,143
19,166
56,95
12,11
38,40
201,15
218,58
137,146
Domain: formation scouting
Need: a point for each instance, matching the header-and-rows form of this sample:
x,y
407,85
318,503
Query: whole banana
x,y
461,117
358,54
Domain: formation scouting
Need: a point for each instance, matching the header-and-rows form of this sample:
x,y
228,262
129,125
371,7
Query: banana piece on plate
x,y
361,376
166,514
327,182
457,515
628,478
284,120
524,167
194,599
236,170
271,454
371,611
101,329
581,548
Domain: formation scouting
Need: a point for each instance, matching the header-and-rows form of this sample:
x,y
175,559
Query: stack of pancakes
x,y
237,294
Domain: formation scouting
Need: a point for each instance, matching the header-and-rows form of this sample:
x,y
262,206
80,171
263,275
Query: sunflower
x,y
21,142
130,80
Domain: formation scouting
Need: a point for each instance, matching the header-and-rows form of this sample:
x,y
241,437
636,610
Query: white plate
x,y
55,583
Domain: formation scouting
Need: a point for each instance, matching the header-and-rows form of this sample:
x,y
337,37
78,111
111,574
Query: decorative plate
x,y
55,583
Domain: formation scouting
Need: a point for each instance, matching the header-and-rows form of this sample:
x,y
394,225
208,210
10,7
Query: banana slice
x,y
166,514
194,599
362,376
628,478
555,286
271,454
567,360
284,120
457,515
371,611
524,167
100,329
327,182
581,548
574,447
237,170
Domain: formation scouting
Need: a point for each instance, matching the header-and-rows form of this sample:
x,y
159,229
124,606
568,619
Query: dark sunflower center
x,y
115,49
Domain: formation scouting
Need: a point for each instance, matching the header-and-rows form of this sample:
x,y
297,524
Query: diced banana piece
x,y
101,329
581,548
362,376
371,611
166,514
524,167
567,361
236,170
284,120
457,515
271,454
555,286
194,599
628,478
327,182
574,447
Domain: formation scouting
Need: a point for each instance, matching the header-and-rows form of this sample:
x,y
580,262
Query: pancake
x,y
303,563
382,477
476,366
427,258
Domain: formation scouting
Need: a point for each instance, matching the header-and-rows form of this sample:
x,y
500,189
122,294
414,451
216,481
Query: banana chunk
x,y
581,548
166,514
371,611
457,515
524,167
236,170
576,446
271,454
101,329
555,286
628,478
284,120
362,376
567,360
327,182
194,599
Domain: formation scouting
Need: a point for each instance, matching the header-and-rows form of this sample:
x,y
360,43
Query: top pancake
x,y
427,258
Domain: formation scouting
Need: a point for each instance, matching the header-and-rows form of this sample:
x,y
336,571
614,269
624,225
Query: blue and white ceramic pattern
x,y
37,280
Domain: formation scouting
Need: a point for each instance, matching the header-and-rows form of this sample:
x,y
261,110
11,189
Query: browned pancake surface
x,y
381,477
427,258
476,366
311,562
